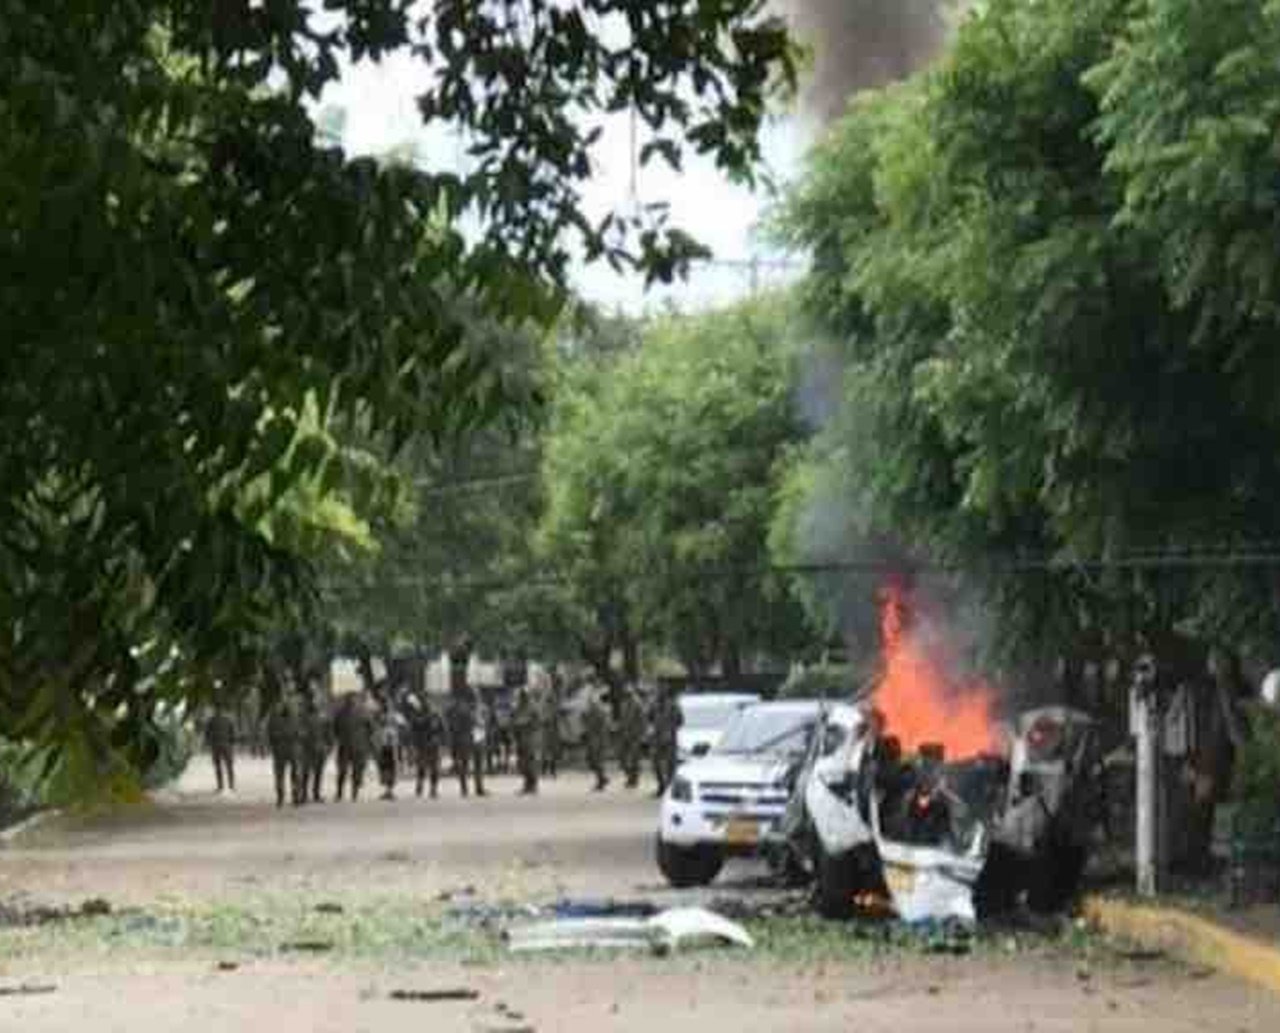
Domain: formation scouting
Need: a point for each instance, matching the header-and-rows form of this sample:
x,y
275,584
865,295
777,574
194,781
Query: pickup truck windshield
x,y
768,730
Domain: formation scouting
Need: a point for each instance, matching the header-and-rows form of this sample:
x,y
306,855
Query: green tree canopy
x,y
197,293
661,473
1040,265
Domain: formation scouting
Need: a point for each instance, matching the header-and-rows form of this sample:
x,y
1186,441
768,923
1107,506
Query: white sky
x,y
379,102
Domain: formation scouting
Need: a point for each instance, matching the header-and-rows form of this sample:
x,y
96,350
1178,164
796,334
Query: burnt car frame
x,y
943,839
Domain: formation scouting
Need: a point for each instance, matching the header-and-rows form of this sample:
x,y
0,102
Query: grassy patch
x,y
809,938
261,927
398,928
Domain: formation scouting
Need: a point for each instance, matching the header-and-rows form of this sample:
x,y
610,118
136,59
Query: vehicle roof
x,y
788,706
718,698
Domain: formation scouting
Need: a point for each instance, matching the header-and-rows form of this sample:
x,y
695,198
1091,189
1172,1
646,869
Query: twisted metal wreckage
x,y
942,839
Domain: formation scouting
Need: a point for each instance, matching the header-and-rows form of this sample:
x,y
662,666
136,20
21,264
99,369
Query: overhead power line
x,y
429,486
1267,558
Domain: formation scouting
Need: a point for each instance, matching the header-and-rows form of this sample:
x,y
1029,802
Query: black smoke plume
x,y
861,44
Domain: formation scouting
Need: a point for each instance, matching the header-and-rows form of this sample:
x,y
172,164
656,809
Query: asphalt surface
x,y
192,846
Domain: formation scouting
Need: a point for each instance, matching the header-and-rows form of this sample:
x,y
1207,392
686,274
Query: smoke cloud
x,y
861,44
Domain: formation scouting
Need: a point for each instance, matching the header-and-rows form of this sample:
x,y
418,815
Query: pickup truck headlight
x,y
682,790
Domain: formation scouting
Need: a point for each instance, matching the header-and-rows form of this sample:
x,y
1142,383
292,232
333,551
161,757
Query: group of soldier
x,y
303,730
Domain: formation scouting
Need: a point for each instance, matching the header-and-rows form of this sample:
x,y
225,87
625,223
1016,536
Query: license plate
x,y
901,881
741,831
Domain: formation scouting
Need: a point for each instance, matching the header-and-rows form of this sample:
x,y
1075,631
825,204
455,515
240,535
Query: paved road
x,y
194,843
191,844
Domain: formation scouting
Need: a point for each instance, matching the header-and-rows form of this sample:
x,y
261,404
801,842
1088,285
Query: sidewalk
x,y
1245,944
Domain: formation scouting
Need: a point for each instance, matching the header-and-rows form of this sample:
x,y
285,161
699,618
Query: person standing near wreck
x,y
426,735
316,735
595,732
353,730
220,735
527,724
667,719
466,734
285,743
551,738
630,735
386,741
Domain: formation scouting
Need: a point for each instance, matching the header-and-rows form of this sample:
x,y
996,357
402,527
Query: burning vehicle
x,y
920,796
944,839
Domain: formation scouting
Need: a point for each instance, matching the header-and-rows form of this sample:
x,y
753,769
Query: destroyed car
x,y
944,839
730,801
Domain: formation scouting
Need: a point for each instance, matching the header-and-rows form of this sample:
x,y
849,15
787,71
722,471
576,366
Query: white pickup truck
x,y
730,801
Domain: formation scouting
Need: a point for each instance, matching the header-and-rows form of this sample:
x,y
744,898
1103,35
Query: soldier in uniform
x,y
527,723
551,745
595,732
667,720
386,741
426,734
493,745
283,740
466,729
630,735
316,734
220,734
353,730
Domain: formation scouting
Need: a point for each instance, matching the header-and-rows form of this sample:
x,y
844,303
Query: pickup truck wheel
x,y
688,866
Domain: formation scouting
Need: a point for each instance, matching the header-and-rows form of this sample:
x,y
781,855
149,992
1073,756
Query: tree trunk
x,y
731,660
630,658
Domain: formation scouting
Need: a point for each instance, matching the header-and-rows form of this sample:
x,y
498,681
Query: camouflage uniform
x,y
220,734
595,732
467,737
316,740
527,724
426,734
464,730
284,742
667,720
630,735
493,744
353,730
551,745
386,738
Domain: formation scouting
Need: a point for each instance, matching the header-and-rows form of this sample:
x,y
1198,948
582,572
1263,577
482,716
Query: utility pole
x,y
1147,722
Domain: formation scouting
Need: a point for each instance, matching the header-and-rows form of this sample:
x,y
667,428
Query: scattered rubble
x,y
448,994
307,946
16,914
660,933
27,989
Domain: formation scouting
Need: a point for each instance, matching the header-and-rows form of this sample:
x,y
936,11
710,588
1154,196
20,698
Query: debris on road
x,y
660,933
1141,954
308,946
16,914
607,908
693,926
492,918
448,994
27,989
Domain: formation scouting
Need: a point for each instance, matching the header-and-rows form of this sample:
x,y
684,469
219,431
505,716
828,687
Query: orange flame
x,y
920,703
